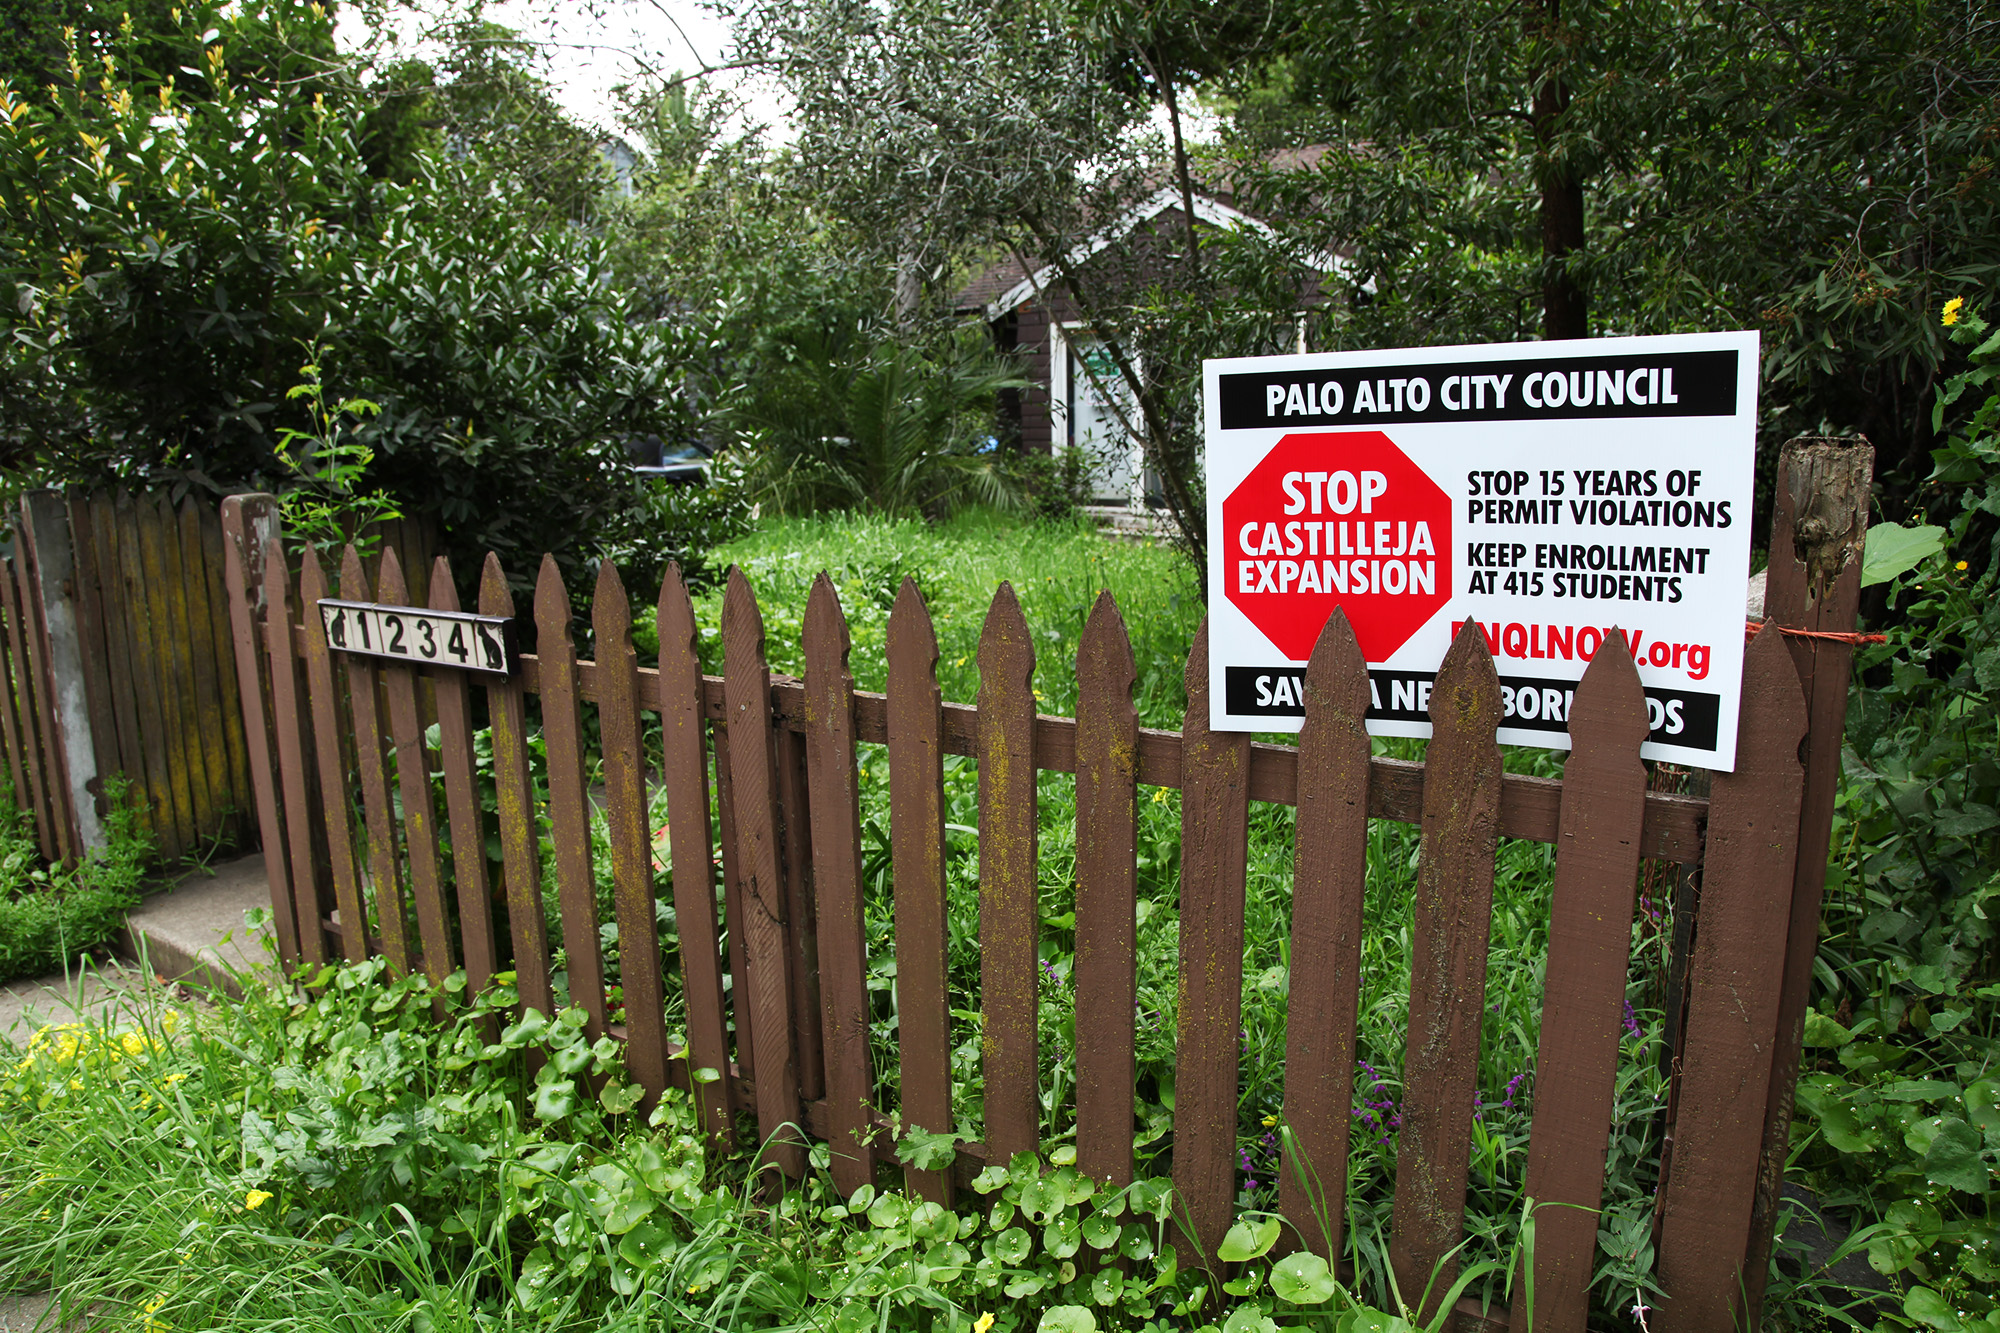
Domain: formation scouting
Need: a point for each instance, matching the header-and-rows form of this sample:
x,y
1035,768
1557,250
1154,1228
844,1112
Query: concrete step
x,y
193,931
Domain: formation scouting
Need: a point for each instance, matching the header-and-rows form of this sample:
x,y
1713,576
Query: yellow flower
x,y
984,1322
1269,1121
1959,566
146,1311
256,1199
1951,309
135,1043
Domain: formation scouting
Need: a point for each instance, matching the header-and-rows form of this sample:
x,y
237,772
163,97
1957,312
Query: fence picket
x,y
329,736
55,776
1329,881
14,730
1734,991
210,706
247,522
801,908
160,583
1583,993
762,975
916,840
384,862
413,781
95,652
1009,915
121,654
569,802
294,755
514,792
1452,916
187,742
631,830
684,765
461,796
1215,858
1107,925
843,944
147,650
243,794
737,991
21,625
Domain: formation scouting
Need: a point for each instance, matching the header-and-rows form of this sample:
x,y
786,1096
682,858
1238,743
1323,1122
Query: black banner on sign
x,y
1677,717
1669,384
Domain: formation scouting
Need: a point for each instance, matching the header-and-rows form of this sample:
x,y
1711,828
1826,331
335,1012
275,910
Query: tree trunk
x,y
1565,304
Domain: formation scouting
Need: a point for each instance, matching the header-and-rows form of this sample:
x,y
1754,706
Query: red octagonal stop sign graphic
x,y
1342,519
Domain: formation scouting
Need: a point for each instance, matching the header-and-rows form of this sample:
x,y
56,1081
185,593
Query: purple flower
x,y
1631,1022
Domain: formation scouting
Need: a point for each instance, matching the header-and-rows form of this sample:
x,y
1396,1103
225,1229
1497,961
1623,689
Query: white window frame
x,y
1060,384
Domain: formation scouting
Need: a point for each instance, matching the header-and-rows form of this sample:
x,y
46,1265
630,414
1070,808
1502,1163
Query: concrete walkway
x,y
191,932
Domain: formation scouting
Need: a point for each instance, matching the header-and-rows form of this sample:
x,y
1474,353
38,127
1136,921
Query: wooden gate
x,y
785,833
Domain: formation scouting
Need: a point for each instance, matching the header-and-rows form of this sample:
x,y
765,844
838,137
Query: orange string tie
x,y
1750,628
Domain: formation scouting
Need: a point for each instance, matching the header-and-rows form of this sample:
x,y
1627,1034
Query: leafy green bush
x,y
1900,1103
681,523
50,915
850,415
176,240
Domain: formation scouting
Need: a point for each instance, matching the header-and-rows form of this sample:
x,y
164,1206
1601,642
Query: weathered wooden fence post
x,y
1814,584
249,525
72,754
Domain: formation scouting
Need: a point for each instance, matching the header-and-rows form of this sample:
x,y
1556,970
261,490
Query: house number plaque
x,y
420,638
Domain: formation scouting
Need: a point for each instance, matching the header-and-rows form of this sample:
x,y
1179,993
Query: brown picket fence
x,y
786,928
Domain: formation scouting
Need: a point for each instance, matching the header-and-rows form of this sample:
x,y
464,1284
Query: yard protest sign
x,y
1554,493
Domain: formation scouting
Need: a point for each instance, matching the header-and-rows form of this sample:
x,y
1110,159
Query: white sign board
x,y
1553,492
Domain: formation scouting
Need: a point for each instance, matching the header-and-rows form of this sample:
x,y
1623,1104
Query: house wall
x,y
1031,342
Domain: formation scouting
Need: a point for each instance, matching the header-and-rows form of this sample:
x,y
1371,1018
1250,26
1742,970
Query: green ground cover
x,y
50,915
389,1157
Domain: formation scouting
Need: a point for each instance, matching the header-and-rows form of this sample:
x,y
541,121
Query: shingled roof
x,y
1005,284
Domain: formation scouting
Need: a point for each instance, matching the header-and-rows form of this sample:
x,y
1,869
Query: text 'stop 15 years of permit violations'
x,y
1552,493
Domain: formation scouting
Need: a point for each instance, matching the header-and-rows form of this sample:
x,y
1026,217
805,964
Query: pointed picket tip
x,y
496,598
1104,642
910,622
552,608
1336,644
353,577
274,558
1467,684
1337,673
826,634
1610,701
312,580
1006,648
1767,640
673,620
1769,671
1195,677
390,586
444,588
740,611
610,608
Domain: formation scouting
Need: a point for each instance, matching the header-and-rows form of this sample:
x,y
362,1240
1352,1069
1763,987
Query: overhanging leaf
x,y
1894,549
